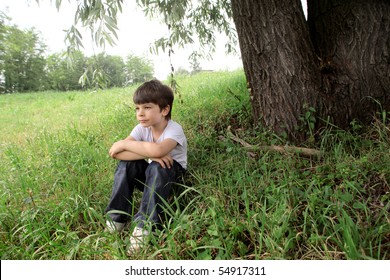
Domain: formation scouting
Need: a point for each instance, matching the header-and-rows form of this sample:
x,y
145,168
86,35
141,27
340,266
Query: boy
x,y
151,160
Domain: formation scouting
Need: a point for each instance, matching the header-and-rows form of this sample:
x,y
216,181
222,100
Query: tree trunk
x,y
279,62
344,74
352,38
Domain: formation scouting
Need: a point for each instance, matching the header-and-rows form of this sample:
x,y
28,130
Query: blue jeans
x,y
155,182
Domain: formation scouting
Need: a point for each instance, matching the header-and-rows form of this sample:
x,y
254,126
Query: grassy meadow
x,y
56,176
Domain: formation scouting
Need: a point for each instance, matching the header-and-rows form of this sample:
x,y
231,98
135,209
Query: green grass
x,y
56,176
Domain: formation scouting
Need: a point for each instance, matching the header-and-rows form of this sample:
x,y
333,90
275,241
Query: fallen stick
x,y
306,152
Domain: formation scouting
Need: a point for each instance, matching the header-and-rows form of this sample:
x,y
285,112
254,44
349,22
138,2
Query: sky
x,y
135,36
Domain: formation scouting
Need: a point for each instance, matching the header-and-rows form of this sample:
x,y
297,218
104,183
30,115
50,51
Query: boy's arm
x,y
145,149
165,160
126,155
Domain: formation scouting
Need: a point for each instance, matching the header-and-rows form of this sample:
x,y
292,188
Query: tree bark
x,y
279,62
340,66
352,39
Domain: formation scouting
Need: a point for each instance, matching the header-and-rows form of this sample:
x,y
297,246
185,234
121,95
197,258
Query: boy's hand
x,y
116,148
165,161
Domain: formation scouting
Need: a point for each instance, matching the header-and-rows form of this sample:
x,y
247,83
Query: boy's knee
x,y
128,164
122,163
156,172
155,168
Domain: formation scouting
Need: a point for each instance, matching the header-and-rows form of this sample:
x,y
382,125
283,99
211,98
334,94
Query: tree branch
x,y
306,152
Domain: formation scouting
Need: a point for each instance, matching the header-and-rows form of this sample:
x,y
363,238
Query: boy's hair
x,y
155,92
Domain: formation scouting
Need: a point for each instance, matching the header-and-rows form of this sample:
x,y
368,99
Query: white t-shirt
x,y
173,131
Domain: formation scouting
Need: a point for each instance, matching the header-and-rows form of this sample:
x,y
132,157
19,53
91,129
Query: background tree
x,y
335,66
61,75
22,59
182,71
3,30
194,63
138,69
105,71
115,68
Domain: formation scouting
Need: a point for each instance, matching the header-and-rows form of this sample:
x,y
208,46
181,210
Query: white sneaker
x,y
137,239
112,226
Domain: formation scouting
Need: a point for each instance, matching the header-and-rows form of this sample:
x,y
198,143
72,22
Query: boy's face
x,y
149,114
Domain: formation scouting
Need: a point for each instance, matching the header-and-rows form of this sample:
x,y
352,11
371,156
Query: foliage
x,y
115,69
193,22
61,75
22,62
138,69
207,18
25,67
99,16
56,177
103,71
181,71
